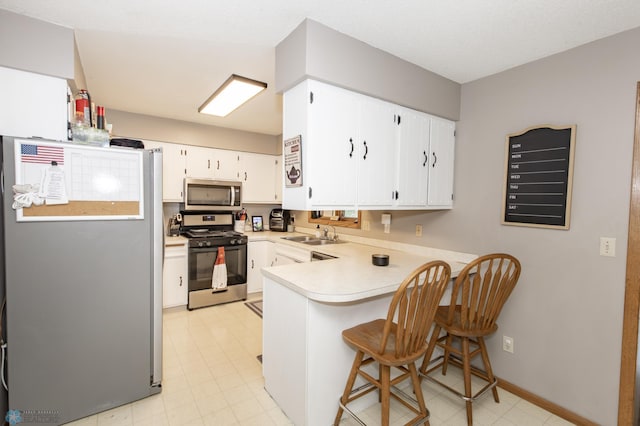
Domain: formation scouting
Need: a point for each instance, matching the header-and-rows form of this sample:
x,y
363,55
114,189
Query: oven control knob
x,y
199,243
208,243
232,242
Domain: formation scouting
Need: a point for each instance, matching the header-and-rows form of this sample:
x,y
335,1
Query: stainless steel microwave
x,y
210,194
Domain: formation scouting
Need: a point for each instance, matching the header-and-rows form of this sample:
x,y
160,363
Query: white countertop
x,y
352,277
177,240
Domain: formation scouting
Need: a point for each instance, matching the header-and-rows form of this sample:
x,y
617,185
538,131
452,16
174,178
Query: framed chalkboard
x,y
539,177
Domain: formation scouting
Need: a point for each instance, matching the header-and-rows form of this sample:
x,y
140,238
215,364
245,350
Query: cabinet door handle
x,y
366,150
180,281
396,195
435,159
425,158
245,176
252,265
351,142
208,164
218,166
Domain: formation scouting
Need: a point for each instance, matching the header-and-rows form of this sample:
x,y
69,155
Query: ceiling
x,y
165,58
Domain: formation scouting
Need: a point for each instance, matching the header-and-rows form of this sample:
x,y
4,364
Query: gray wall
x,y
566,313
126,124
316,51
31,45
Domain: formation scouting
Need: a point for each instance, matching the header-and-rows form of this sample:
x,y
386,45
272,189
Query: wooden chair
x,y
478,295
397,342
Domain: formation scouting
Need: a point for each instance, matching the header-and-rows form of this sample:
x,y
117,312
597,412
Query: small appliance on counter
x,y
173,229
278,220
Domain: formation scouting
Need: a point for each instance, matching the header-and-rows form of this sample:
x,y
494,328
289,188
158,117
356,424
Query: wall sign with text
x,y
293,161
539,177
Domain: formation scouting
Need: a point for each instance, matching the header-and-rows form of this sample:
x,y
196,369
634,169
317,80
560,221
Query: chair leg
x,y
447,352
379,378
487,366
350,381
430,348
466,367
417,389
385,382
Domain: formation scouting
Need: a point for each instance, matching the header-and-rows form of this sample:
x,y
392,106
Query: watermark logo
x,y
13,417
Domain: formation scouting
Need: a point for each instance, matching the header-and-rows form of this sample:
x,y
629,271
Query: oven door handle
x,y
215,248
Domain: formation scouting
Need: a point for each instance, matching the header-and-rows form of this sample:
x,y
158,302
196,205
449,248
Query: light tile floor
x,y
212,377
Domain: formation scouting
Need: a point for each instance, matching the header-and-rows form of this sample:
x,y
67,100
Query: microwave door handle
x,y
233,196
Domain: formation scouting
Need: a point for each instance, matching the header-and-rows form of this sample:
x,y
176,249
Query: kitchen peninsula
x,y
306,307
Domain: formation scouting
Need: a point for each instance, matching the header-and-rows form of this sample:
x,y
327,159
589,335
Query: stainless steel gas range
x,y
207,231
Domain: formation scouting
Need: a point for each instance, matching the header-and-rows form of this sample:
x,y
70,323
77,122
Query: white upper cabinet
x,y
259,177
331,145
33,105
441,163
174,169
413,158
365,153
226,164
200,162
376,142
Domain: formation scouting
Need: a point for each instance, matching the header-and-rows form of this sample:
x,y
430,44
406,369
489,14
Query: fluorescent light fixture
x,y
233,93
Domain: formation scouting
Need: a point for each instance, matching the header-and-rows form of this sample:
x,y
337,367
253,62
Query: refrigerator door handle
x,y
158,255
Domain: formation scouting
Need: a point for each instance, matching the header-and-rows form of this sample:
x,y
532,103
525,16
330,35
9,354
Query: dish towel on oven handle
x,y
219,276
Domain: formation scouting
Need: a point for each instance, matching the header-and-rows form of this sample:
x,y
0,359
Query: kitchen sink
x,y
312,241
301,238
321,242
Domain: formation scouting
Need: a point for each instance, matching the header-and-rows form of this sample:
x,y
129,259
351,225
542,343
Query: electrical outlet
x,y
418,230
608,246
366,225
507,344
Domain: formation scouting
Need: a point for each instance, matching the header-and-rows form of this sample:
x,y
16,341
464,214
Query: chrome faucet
x,y
326,233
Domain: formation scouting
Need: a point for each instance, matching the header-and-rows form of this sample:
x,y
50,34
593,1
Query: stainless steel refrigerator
x,y
83,281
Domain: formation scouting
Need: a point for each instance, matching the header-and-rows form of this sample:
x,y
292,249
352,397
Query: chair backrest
x,y
480,291
413,308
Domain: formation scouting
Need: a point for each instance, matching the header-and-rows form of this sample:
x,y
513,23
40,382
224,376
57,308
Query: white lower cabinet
x,y
259,254
174,274
286,255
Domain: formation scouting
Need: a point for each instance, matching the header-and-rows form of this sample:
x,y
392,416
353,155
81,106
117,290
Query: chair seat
x,y
367,337
456,328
